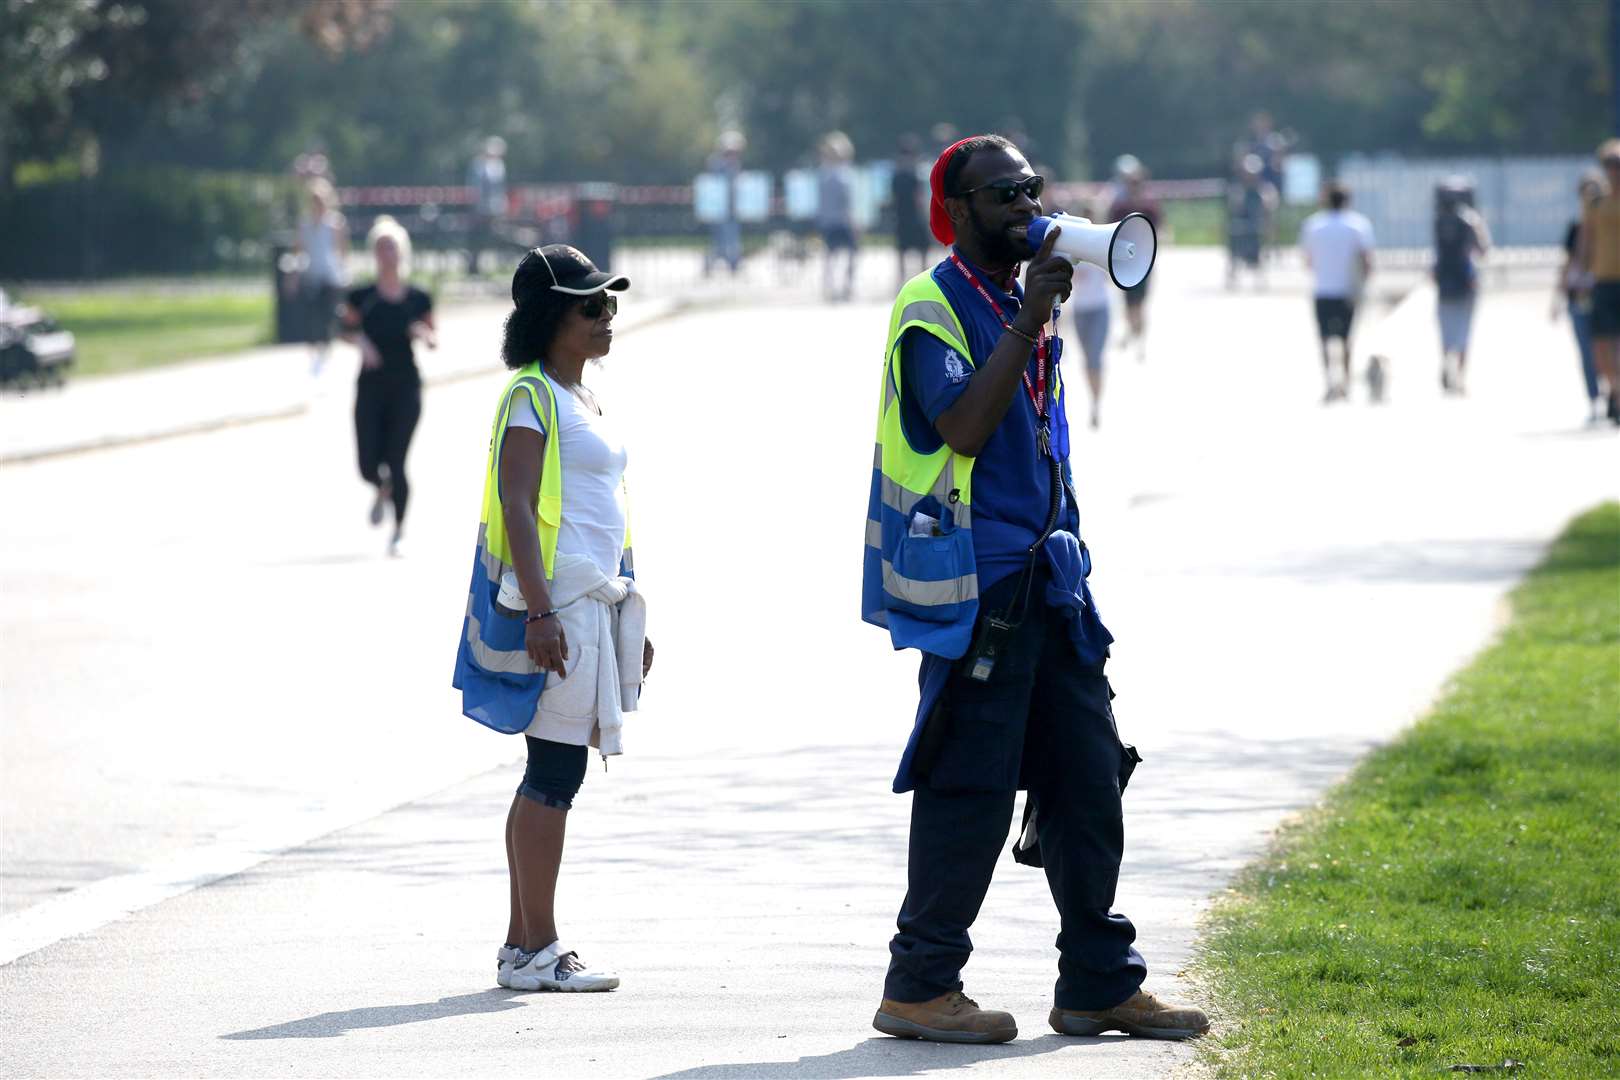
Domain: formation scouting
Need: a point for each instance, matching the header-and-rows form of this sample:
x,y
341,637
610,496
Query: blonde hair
x,y
386,226
836,145
322,189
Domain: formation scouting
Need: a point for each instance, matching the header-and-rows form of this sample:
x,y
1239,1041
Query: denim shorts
x,y
554,772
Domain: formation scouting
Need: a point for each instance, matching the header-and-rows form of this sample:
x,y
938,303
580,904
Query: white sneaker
x,y
555,968
506,958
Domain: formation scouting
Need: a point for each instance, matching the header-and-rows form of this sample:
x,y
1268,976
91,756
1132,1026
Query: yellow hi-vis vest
x,y
492,541
923,588
500,685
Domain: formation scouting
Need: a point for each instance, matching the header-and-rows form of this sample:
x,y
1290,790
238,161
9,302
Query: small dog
x,y
1377,378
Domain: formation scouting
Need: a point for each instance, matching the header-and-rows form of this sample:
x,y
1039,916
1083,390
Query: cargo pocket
x,y
982,747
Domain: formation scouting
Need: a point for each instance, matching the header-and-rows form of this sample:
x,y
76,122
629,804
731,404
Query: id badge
x,y
987,646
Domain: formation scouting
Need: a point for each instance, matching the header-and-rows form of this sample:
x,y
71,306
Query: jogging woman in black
x,y
385,320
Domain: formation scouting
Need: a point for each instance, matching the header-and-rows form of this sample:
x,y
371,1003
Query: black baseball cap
x,y
561,268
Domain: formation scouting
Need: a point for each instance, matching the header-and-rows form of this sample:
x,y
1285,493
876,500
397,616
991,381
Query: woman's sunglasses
x,y
1007,190
593,308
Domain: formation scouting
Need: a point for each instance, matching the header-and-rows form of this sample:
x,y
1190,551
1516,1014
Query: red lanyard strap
x,y
1036,389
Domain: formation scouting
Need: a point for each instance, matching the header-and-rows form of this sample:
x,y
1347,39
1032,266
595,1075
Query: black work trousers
x,y
1043,722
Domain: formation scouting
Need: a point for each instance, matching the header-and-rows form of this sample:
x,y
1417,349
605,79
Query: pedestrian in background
x,y
1271,147
1250,202
1598,254
322,247
725,234
1573,293
1089,304
1133,198
486,175
386,319
554,642
1338,244
908,195
835,214
1265,142
1461,239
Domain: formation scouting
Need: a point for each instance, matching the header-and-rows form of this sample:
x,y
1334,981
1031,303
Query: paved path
x,y
209,667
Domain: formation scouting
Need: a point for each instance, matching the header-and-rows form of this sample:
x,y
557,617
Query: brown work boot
x,y
1143,1014
952,1017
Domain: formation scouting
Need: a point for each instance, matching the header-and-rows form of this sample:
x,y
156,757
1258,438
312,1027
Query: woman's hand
x,y
423,331
646,656
547,645
370,358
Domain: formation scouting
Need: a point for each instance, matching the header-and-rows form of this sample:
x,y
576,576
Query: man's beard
x,y
997,247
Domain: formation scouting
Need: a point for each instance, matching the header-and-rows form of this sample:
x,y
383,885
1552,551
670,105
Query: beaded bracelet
x,y
1011,329
542,615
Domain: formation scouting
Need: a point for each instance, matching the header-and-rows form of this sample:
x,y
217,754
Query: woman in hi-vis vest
x,y
554,642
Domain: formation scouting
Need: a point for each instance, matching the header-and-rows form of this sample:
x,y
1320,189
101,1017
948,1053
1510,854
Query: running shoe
x,y
379,505
557,968
506,958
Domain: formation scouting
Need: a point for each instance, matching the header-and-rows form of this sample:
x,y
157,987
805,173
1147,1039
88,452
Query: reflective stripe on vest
x,y
931,600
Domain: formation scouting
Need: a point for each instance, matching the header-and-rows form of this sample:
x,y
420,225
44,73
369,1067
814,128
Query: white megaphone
x,y
1125,248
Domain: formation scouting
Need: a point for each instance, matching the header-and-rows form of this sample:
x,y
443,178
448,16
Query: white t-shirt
x,y
1092,287
1334,240
593,460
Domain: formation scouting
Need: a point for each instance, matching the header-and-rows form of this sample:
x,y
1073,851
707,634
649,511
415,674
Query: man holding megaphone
x,y
974,557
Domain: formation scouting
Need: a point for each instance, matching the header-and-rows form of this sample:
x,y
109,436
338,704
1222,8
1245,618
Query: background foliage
x,y
636,89
146,93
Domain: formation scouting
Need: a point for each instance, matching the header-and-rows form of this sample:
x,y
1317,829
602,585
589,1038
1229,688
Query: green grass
x,y
119,330
1457,899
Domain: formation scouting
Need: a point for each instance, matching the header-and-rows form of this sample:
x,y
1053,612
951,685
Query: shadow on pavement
x,y
878,1057
330,1025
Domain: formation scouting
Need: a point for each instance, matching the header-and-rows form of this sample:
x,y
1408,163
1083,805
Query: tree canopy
x,y
636,90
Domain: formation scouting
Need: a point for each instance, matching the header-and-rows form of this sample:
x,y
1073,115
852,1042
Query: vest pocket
x,y
925,578
501,629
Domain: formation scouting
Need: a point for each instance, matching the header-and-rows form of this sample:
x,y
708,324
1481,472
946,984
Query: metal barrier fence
x,y
1527,202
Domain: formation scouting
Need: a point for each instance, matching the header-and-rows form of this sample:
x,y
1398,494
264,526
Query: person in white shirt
x,y
322,246
1090,303
1338,245
562,320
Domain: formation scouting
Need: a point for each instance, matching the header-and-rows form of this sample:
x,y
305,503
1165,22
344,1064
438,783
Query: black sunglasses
x,y
593,308
1007,190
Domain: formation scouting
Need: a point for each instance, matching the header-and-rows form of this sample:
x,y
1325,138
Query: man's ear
x,y
957,210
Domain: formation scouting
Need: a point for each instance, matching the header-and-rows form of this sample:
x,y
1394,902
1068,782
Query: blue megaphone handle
x,y
1036,236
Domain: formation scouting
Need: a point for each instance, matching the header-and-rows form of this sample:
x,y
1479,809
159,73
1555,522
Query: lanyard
x,y
1036,389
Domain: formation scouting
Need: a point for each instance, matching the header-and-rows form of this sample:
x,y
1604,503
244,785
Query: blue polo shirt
x,y
1012,480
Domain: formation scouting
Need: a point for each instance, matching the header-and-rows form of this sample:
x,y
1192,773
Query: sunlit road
x,y
207,659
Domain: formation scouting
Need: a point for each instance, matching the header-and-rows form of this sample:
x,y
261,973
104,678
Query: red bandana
x,y
939,222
